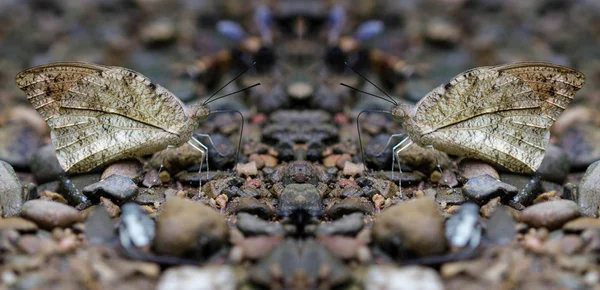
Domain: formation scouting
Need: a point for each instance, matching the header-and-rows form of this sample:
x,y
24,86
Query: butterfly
x,y
499,114
99,114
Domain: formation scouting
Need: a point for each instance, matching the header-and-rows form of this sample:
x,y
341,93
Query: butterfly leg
x,y
162,164
204,150
439,166
396,151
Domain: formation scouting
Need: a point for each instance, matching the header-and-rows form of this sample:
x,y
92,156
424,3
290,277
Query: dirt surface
x,y
300,207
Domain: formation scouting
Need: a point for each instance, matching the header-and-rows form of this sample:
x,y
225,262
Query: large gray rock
x,y
11,196
589,191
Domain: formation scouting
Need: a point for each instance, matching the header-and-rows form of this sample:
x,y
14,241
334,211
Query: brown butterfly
x,y
499,114
99,114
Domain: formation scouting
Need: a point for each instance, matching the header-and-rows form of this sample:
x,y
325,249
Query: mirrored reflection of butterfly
x,y
499,114
99,114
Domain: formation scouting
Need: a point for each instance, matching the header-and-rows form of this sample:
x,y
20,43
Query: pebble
x,y
50,214
117,188
581,142
404,278
198,278
482,188
331,160
348,225
247,169
589,191
550,214
193,229
18,143
299,196
11,197
353,169
254,248
582,223
53,196
268,160
223,155
250,205
260,163
463,228
99,226
470,168
44,165
17,224
136,228
555,166
350,205
130,168
252,225
412,227
342,247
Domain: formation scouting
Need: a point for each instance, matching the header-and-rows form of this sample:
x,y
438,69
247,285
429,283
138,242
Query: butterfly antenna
x,y
207,100
367,93
391,99
227,95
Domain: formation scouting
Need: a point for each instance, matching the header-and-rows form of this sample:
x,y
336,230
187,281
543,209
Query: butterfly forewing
x,y
100,114
500,114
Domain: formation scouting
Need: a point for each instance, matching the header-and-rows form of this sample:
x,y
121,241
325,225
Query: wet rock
x,y
348,225
198,278
470,168
500,227
463,228
482,188
202,234
131,168
44,165
581,143
99,227
70,187
17,224
117,188
18,143
581,224
550,214
50,214
11,198
250,205
555,166
589,191
405,278
136,228
350,205
412,228
300,265
251,225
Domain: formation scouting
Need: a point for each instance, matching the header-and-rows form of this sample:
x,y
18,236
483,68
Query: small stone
x,y
353,169
130,168
378,201
331,160
203,232
50,214
260,163
412,227
11,197
342,247
164,176
581,142
158,31
341,162
112,209
151,179
348,225
500,227
247,169
484,187
119,189
546,196
435,176
254,248
404,278
99,226
198,278
463,228
470,168
582,223
589,191
18,143
53,196
17,224
221,201
269,160
44,165
555,166
136,228
350,205
488,208
252,225
550,214
251,205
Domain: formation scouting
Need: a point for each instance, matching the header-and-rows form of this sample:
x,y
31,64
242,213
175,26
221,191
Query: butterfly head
x,y
403,112
198,112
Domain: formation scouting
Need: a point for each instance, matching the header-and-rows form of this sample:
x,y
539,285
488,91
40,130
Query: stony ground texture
x,y
301,210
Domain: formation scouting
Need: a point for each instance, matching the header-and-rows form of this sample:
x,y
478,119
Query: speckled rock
x,y
50,214
202,234
589,191
551,214
11,197
411,228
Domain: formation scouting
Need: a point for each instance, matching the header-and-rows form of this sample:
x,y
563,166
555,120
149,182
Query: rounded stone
x,y
551,214
50,214
589,191
11,197
44,165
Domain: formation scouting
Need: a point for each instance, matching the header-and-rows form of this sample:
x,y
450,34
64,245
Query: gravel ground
x,y
302,209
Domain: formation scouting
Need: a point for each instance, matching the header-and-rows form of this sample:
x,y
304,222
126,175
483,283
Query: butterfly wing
x,y
98,114
500,114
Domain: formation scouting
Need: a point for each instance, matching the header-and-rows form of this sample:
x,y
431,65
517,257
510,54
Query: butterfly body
x,y
100,114
498,114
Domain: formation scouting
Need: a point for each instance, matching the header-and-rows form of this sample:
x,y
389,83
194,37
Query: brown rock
x,y
247,169
341,162
254,248
50,214
582,223
182,224
269,160
112,209
550,214
331,160
417,223
341,246
53,196
260,163
469,168
130,168
18,224
352,169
